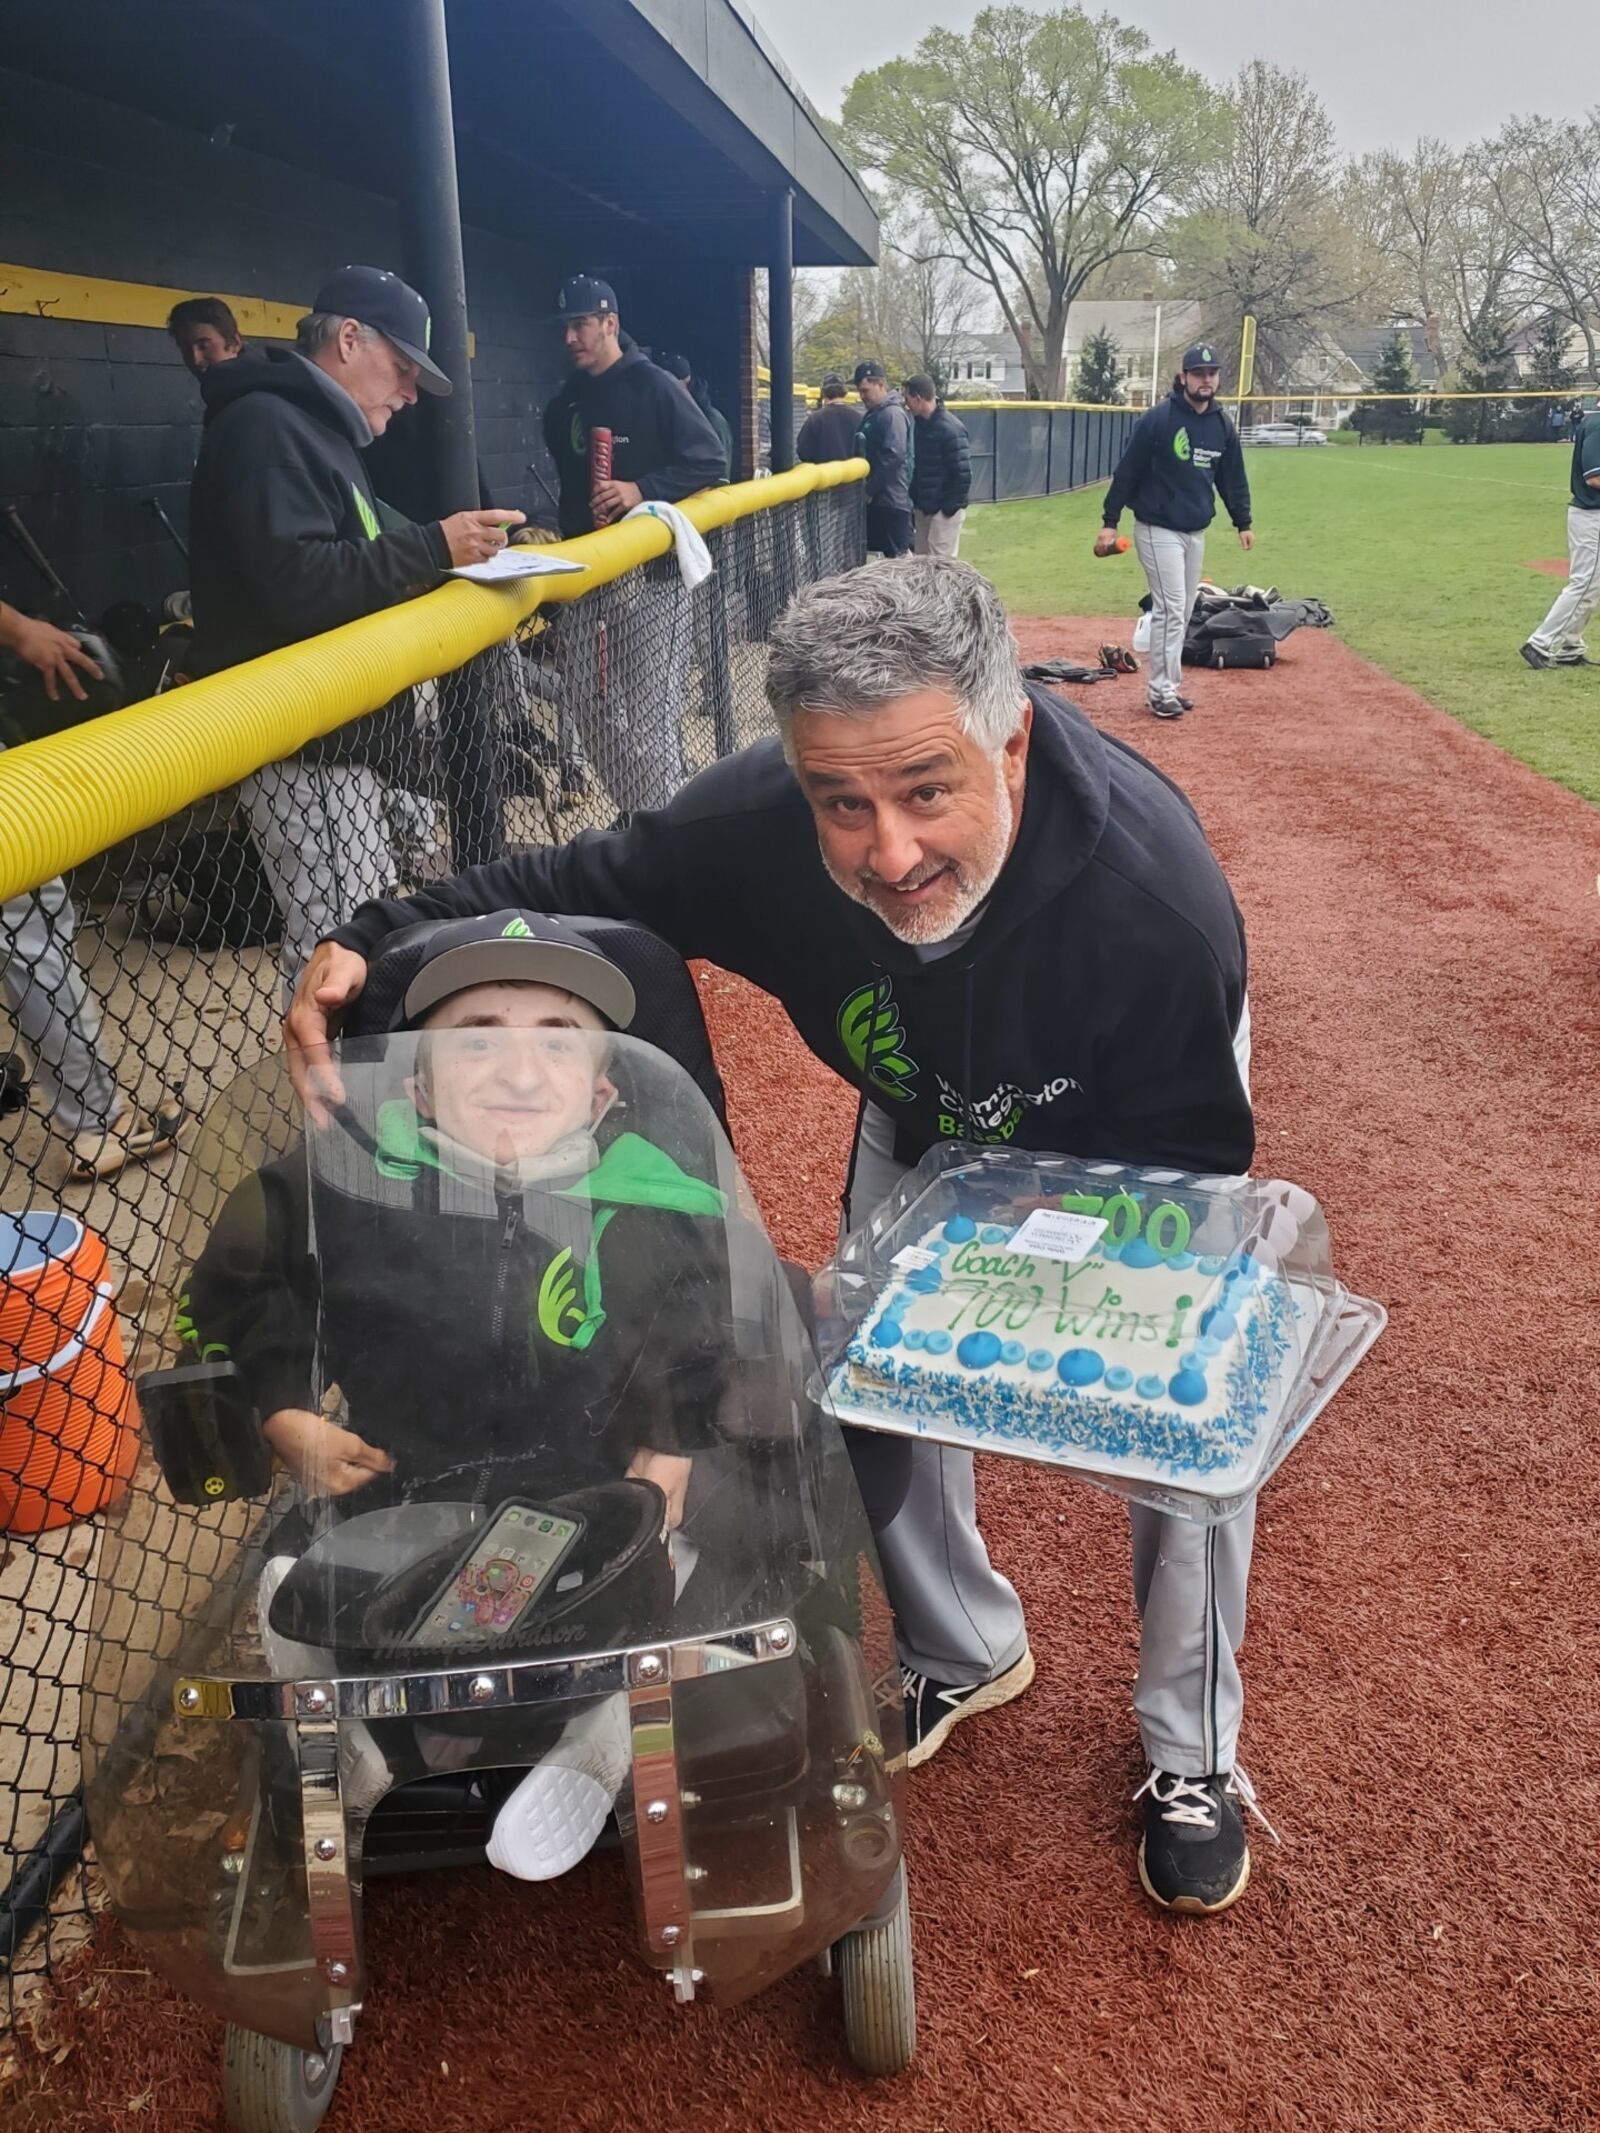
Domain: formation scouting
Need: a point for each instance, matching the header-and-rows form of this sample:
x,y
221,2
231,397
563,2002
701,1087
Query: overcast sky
x,y
1386,69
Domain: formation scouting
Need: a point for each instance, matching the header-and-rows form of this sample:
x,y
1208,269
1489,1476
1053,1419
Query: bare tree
x,y
812,293
1265,239
1544,178
1043,146
1406,208
939,303
1478,254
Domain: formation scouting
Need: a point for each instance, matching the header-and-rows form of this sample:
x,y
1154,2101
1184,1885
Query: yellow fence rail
x,y
74,795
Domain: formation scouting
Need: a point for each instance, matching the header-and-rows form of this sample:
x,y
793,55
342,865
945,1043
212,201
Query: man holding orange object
x,y
1182,451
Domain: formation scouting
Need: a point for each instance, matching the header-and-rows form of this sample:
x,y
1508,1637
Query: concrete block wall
x,y
96,419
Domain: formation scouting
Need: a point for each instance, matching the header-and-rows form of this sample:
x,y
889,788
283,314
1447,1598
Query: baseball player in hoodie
x,y
1183,452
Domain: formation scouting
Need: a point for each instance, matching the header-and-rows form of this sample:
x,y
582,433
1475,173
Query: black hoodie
x,y
286,536
1092,1010
560,1328
660,440
1175,464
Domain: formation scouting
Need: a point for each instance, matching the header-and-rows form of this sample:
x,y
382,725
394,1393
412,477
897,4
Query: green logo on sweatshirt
x,y
871,1032
560,1318
366,514
1180,444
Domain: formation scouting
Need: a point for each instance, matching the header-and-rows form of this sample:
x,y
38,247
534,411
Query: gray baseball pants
x,y
1562,629
1172,564
960,1621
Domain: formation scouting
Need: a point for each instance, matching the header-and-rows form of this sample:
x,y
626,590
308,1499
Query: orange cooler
x,y
69,1436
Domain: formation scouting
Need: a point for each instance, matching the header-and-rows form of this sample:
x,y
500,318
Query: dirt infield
x,y
1553,566
1424,1729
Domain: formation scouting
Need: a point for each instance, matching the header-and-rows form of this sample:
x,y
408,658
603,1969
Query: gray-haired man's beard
x,y
926,926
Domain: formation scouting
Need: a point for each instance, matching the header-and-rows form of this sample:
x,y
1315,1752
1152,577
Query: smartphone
x,y
205,1433
517,1558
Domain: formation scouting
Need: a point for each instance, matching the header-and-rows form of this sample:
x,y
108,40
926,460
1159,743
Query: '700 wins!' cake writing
x,y
1144,1356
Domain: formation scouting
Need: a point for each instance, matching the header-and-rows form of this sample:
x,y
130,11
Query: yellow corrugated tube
x,y
67,798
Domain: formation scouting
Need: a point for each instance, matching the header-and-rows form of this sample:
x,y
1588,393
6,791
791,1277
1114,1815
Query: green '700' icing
x,y
1166,1228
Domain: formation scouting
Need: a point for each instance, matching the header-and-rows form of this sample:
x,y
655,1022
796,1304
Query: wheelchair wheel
x,y
270,2087
880,1990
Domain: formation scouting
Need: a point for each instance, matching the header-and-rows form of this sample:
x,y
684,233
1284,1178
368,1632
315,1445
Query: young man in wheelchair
x,y
519,1298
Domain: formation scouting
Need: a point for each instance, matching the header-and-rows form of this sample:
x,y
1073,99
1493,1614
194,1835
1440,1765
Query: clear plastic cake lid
x,y
1164,1335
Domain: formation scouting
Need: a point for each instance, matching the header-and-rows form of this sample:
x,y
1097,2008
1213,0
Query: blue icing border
x,y
1059,1421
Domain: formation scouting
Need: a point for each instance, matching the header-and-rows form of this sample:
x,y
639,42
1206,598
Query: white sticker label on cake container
x,y
911,1257
1051,1233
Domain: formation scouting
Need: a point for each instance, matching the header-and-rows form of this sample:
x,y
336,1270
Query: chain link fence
x,y
159,970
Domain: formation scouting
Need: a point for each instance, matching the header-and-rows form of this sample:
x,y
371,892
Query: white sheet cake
x,y
1139,1360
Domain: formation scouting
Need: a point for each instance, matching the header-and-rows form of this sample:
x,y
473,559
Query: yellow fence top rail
x,y
74,795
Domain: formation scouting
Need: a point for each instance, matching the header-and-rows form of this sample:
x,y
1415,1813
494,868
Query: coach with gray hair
x,y
1038,912
287,538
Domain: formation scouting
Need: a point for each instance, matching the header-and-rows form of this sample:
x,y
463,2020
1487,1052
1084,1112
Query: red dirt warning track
x,y
1424,1727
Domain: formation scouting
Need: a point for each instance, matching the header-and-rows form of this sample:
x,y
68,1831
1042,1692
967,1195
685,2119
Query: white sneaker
x,y
556,1814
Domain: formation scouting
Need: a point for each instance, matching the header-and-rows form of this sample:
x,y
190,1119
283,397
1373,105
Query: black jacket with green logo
x,y
1092,1010
286,536
660,440
545,1337
1176,464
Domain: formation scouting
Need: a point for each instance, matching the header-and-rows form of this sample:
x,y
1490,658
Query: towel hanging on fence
x,y
694,557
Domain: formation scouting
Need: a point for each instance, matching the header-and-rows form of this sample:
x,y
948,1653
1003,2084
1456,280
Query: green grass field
x,y
1420,554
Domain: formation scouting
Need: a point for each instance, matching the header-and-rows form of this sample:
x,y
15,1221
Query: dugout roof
x,y
614,120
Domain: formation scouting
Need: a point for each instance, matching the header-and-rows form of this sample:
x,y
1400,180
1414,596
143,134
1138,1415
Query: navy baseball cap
x,y
509,948
382,300
1202,356
868,370
582,296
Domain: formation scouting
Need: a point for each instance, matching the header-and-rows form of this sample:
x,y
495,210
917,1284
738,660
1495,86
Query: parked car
x,y
1281,433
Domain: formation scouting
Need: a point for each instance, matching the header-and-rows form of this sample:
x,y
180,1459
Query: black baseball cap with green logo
x,y
436,960
1202,356
393,308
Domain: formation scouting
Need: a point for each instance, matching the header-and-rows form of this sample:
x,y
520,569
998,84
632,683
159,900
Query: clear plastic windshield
x,y
484,1443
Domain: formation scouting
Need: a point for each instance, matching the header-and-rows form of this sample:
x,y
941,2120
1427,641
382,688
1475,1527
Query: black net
x,y
161,969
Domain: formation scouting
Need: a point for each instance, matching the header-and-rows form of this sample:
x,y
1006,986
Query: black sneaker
x,y
1535,658
1193,1856
1168,706
933,1707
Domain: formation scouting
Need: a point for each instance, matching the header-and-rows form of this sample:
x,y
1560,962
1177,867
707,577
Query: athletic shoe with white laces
x,y
933,1707
1193,1856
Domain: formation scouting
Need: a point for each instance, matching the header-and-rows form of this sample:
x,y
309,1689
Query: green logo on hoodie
x,y
560,1317
1180,444
366,514
870,1031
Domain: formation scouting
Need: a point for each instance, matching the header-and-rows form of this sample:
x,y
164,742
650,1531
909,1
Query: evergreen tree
x,y
1549,371
1391,421
1485,365
1099,377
